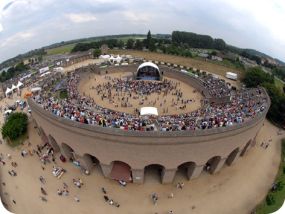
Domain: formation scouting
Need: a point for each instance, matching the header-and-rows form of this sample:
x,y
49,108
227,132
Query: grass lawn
x,y
279,196
18,141
279,84
60,50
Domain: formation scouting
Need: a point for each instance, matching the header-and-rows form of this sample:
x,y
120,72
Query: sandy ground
x,y
236,189
92,80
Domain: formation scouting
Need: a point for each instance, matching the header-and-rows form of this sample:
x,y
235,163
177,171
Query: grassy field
x,y
278,196
190,62
279,83
60,50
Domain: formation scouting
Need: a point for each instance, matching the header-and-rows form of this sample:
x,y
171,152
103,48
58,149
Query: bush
x,y
270,200
15,126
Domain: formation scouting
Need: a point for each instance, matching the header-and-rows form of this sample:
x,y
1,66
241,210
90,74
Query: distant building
x,y
217,58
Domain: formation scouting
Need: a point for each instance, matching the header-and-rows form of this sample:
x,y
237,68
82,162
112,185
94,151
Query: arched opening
x,y
245,148
212,164
232,156
43,135
153,172
185,170
68,152
91,162
121,171
53,143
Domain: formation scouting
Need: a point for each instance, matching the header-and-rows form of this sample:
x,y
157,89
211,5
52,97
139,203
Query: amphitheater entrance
x,y
232,157
212,164
153,172
185,170
245,148
121,171
90,162
53,143
68,152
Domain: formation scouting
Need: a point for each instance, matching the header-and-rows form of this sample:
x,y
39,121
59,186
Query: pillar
x,y
106,169
168,175
196,172
219,166
138,176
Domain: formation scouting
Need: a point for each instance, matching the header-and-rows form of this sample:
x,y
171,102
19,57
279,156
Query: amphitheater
x,y
204,139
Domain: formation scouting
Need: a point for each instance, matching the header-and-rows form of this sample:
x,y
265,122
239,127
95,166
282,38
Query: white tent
x,y
20,84
13,87
104,56
8,91
117,59
149,111
44,74
36,89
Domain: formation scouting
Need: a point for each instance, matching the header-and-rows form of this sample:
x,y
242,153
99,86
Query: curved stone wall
x,y
189,151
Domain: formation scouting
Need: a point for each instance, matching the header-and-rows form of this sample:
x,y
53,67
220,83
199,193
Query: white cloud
x,y
1,27
136,17
80,17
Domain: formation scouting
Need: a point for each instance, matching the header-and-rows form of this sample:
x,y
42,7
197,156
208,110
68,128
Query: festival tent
x,y
13,87
149,111
8,91
20,84
44,74
36,89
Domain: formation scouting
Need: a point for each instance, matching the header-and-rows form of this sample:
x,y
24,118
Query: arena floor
x,y
164,104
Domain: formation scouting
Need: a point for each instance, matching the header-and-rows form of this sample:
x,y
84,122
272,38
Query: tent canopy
x,y
8,91
13,87
19,84
36,89
149,111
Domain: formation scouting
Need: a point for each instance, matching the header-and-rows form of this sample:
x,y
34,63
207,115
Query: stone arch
x,y
154,171
245,148
232,157
186,169
212,164
53,143
68,151
121,171
89,162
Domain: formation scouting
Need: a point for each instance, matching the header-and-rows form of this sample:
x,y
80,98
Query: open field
x,y
279,83
200,64
60,50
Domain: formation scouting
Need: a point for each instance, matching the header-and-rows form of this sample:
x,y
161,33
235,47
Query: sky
x,y
31,24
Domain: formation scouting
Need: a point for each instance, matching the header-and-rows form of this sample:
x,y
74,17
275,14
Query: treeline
x,y
256,77
13,71
95,45
197,40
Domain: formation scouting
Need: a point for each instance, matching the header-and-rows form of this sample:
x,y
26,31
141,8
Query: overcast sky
x,y
30,24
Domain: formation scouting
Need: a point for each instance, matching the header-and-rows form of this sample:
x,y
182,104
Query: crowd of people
x,y
244,105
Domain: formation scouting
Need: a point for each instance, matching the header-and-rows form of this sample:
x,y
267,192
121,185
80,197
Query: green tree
x,y
255,77
97,52
130,43
148,39
138,45
15,126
